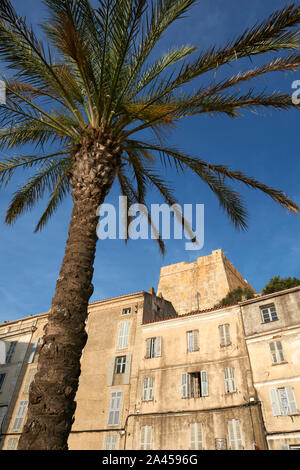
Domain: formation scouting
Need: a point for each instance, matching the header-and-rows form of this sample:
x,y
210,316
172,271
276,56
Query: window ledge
x,y
279,363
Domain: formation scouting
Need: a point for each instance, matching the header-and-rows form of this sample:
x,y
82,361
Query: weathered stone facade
x,y
157,374
199,285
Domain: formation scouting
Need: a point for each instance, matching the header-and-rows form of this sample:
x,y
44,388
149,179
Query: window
x,y
153,347
196,436
119,370
2,378
146,437
235,437
276,352
229,378
12,443
283,401
148,388
120,365
33,351
193,340
126,311
224,332
269,313
194,385
29,379
115,407
10,352
18,423
123,337
111,442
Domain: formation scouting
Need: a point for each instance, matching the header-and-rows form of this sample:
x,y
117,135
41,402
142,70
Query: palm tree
x,y
91,92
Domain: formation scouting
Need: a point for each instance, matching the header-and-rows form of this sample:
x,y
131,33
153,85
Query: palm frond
x,y
28,195
128,191
10,164
59,193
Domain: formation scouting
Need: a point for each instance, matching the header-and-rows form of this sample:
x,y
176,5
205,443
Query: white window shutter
x,y
184,385
227,334
148,348
273,353
204,383
158,343
20,415
222,335
123,337
234,432
151,386
145,388
190,343
196,340
12,443
126,378
280,351
146,438
33,351
196,436
229,380
111,372
111,442
275,402
2,352
115,408
292,400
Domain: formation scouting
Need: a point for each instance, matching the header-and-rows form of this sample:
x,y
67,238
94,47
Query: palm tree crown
x,y
95,76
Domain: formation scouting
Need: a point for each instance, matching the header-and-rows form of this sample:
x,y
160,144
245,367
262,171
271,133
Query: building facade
x,y
272,334
159,375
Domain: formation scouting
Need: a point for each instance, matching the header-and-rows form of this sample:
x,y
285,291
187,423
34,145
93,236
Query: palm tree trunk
x,y
51,400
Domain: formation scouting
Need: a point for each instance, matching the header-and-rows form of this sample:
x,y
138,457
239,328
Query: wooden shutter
x,y
123,337
196,340
111,442
280,351
126,377
158,342
184,385
148,348
235,437
146,437
204,383
2,352
20,415
222,335
145,388
292,400
33,351
229,380
196,436
12,443
275,402
115,408
190,342
110,377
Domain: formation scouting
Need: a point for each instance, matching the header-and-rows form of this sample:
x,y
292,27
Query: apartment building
x,y
272,334
156,376
18,362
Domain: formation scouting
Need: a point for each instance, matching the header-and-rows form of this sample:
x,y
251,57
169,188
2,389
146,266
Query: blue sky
x,y
265,145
